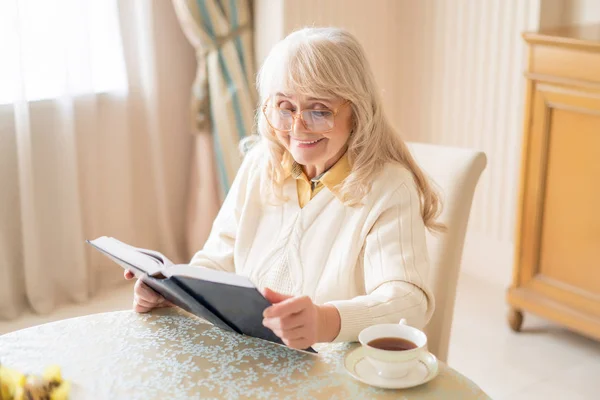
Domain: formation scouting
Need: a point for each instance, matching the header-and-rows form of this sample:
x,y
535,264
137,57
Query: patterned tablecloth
x,y
169,354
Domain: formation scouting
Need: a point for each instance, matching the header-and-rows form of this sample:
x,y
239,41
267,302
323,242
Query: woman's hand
x,y
144,298
299,322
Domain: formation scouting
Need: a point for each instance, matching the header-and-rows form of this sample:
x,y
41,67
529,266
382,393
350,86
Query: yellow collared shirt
x,y
307,188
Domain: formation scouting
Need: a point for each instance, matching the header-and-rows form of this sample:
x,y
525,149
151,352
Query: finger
x,y
273,296
287,323
145,292
300,344
128,274
287,307
292,334
167,303
144,302
139,308
164,303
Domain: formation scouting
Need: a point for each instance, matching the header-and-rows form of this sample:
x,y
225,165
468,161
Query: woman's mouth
x,y
307,143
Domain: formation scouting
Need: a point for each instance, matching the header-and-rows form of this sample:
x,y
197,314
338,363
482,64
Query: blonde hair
x,y
330,62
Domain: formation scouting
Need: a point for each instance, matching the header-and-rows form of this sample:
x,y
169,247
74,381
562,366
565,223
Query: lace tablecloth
x,y
169,354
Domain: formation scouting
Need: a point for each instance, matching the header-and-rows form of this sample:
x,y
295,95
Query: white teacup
x,y
393,363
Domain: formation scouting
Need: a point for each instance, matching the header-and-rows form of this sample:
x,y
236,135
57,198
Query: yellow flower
x,y
10,381
61,392
53,374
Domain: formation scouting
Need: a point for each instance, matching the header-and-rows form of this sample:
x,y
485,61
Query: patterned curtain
x,y
223,101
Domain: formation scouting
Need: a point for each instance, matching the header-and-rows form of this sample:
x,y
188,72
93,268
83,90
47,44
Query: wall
x,y
473,97
451,72
566,12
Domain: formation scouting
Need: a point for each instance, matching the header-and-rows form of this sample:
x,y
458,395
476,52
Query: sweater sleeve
x,y
395,270
218,250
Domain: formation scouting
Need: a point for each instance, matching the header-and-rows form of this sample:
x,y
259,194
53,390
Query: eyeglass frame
x,y
299,115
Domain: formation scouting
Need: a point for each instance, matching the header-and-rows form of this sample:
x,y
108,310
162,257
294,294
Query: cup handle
x,y
402,321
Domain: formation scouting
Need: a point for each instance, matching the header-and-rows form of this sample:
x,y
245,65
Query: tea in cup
x,y
393,349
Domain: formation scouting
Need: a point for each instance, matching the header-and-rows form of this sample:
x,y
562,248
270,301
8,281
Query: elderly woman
x,y
328,212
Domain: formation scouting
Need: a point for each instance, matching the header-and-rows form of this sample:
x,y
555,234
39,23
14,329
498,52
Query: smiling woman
x,y
328,212
318,143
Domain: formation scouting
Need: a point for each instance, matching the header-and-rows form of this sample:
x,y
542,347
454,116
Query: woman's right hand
x,y
144,298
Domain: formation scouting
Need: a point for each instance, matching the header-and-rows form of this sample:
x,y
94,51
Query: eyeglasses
x,y
315,121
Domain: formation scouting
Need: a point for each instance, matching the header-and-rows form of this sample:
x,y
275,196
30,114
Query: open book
x,y
227,300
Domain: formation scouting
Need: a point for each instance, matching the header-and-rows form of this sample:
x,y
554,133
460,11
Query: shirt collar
x,y
330,179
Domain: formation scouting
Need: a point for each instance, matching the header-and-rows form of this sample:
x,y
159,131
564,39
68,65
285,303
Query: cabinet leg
x,y
515,319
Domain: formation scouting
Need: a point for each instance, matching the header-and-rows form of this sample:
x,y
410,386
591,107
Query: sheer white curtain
x,y
94,140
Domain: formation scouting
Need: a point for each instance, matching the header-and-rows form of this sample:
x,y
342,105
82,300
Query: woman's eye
x,y
320,114
286,105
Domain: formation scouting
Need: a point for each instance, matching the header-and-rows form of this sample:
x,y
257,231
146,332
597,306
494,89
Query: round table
x,y
170,354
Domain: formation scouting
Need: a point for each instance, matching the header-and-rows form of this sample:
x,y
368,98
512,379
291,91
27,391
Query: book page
x,y
207,274
159,256
152,253
128,256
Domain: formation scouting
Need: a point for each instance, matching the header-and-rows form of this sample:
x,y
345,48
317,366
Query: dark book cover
x,y
226,300
239,307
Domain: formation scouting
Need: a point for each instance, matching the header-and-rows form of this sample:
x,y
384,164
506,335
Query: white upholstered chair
x,y
456,172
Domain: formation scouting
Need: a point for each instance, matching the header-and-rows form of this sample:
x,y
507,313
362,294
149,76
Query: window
x,y
51,48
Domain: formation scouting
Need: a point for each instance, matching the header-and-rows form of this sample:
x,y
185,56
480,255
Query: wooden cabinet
x,y
557,257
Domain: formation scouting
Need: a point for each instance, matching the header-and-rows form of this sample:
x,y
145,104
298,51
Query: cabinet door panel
x,y
560,253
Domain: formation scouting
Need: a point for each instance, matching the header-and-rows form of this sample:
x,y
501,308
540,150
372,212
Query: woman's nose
x,y
298,125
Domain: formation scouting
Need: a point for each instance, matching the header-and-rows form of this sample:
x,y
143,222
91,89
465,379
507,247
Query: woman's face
x,y
315,149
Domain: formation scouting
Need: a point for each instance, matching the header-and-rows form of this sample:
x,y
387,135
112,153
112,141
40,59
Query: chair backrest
x,y
455,171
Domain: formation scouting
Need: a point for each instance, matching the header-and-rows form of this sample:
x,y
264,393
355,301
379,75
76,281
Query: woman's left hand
x,y
298,321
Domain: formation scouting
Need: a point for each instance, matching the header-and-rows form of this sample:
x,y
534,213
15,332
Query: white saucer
x,y
360,369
